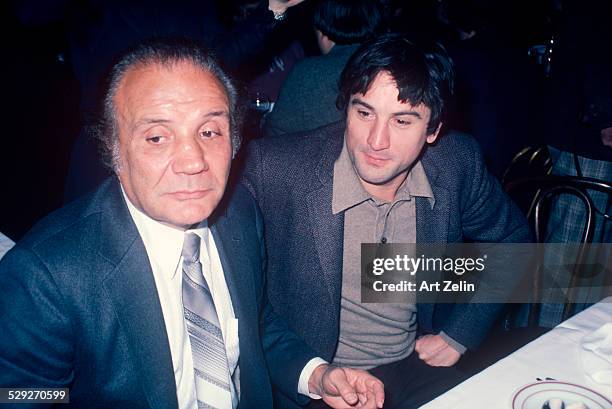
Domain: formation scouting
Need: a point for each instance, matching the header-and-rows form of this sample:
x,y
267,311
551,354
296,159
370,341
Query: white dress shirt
x,y
164,245
5,244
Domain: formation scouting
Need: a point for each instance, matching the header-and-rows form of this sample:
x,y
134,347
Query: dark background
x,y
40,121
41,94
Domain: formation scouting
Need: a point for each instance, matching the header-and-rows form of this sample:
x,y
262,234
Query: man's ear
x,y
325,44
431,138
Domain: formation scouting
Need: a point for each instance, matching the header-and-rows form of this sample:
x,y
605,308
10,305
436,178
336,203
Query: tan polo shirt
x,y
374,334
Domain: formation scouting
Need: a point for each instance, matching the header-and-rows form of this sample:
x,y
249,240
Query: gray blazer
x,y
291,179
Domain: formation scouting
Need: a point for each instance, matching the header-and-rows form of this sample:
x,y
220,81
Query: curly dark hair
x,y
422,74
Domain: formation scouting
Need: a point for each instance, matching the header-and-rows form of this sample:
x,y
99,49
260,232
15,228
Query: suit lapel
x,y
328,234
432,224
229,241
327,228
131,289
431,227
236,254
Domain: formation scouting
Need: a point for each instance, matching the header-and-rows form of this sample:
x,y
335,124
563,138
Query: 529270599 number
x,y
34,395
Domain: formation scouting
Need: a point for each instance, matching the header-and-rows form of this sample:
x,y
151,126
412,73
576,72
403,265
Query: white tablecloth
x,y
555,355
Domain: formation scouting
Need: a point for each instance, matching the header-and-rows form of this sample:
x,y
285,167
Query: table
x,y
555,354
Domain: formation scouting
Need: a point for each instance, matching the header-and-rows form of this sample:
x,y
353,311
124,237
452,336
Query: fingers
x,y
379,393
429,346
346,391
368,401
370,390
440,359
435,351
446,357
346,387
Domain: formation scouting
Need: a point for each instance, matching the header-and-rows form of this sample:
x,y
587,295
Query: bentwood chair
x,y
528,162
543,190
540,190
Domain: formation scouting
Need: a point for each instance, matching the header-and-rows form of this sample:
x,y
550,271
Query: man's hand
x,y
281,6
435,351
346,387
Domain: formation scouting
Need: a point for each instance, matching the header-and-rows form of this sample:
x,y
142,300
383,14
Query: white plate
x,y
534,395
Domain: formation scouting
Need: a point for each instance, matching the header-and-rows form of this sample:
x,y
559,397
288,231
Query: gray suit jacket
x,y
291,179
80,309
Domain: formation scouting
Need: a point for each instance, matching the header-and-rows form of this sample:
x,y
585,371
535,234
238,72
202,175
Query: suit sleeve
x,y
488,215
36,342
252,174
285,353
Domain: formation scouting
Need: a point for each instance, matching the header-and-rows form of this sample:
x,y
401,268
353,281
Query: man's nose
x,y
190,157
379,139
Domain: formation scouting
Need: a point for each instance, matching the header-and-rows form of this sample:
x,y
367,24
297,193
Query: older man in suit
x,y
387,176
137,296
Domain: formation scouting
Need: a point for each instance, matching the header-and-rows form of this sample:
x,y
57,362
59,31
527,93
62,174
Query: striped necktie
x,y
212,378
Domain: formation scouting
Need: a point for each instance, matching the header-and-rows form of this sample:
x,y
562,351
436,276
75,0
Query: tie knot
x,y
191,247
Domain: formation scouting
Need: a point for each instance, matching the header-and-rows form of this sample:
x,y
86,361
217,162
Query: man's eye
x,y
154,139
209,133
402,122
363,114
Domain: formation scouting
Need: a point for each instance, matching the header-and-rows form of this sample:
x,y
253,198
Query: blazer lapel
x,y
432,227
432,223
327,228
228,240
131,289
238,262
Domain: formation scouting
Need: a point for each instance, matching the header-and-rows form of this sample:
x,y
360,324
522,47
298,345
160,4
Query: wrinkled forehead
x,y
179,71
178,84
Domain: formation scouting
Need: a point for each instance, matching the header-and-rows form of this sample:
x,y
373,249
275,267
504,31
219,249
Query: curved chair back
x,y
531,161
544,188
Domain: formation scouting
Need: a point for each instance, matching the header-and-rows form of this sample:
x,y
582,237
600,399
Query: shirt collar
x,y
347,190
164,244
417,184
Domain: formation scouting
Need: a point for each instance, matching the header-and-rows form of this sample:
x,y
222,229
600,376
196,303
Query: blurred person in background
x,y
307,98
578,127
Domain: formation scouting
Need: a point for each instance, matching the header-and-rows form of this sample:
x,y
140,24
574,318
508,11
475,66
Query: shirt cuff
x,y
454,344
305,377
